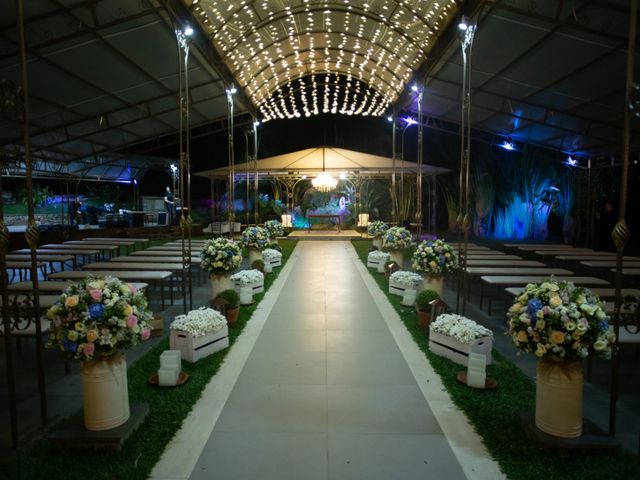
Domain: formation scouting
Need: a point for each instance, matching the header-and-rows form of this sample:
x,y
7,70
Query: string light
x,y
307,57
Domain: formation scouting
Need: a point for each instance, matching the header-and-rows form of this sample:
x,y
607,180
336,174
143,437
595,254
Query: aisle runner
x,y
327,393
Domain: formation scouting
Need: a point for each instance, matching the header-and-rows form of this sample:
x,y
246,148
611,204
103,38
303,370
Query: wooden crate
x,y
256,287
374,262
193,349
399,289
456,351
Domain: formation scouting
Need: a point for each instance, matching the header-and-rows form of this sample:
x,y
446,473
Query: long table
x,y
155,277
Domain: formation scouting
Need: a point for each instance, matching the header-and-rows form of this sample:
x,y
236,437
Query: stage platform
x,y
324,235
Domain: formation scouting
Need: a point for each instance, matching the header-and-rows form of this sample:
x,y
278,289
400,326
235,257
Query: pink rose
x,y
88,349
95,294
133,289
145,334
132,321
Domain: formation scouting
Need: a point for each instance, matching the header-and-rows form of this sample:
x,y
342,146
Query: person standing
x,y
169,204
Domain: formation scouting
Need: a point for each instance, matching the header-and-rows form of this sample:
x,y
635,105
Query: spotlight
x,y
389,118
572,161
135,182
410,121
232,90
508,145
188,31
463,25
414,87
173,168
343,176
256,123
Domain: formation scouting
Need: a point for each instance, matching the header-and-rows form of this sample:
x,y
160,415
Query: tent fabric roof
x,y
315,160
548,73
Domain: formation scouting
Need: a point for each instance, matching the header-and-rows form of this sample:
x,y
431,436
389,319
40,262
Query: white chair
x,y
286,221
363,220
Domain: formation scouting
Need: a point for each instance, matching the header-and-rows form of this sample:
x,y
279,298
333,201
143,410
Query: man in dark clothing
x,y
169,204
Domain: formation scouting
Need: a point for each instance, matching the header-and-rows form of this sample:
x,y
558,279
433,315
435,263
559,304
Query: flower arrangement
x,y
220,255
378,255
247,277
377,228
271,254
98,317
434,257
460,328
396,238
274,228
255,237
199,322
558,319
405,279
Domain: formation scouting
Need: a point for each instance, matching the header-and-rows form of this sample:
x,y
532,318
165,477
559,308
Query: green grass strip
x,y
493,413
167,410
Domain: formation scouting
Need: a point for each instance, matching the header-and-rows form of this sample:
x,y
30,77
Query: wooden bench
x,y
629,272
492,262
50,259
153,277
57,286
609,263
24,266
84,255
143,241
113,248
110,249
599,291
485,256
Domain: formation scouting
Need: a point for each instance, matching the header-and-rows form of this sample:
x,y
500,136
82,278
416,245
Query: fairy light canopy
x,y
297,58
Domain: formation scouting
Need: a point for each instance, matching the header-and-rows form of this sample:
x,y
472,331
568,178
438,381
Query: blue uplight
x,y
572,161
410,121
510,146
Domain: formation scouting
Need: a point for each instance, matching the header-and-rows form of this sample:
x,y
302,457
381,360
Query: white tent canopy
x,y
334,160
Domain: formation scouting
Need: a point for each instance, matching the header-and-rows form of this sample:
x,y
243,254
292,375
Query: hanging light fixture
x,y
324,182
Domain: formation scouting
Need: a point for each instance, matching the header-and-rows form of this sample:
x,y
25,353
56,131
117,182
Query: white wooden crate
x,y
456,351
375,262
193,349
399,289
256,287
274,262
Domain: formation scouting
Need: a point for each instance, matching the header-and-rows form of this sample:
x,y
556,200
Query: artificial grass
x,y
167,410
493,413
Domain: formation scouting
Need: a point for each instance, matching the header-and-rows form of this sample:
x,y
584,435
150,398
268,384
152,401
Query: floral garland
x,y
199,322
98,317
378,255
406,279
255,237
274,228
247,277
557,319
271,254
434,258
220,255
396,238
461,328
377,228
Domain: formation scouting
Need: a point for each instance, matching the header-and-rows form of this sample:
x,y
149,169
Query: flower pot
x,y
219,283
232,315
254,254
397,256
377,242
105,394
433,282
424,318
559,398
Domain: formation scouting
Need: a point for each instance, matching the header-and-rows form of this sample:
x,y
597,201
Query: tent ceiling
x,y
550,73
102,75
270,44
315,160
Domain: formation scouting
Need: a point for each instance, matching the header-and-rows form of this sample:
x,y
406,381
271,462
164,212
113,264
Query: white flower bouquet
x,y
199,322
405,279
396,238
270,254
220,255
377,228
247,277
460,328
558,319
378,255
255,237
274,228
434,257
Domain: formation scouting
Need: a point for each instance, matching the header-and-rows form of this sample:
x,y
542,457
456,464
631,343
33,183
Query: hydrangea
x,y
199,322
558,319
406,279
255,237
434,257
274,228
247,277
271,254
98,316
220,255
377,228
396,238
461,328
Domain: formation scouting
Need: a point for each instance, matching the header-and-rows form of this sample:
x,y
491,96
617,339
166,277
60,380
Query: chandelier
x,y
324,182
